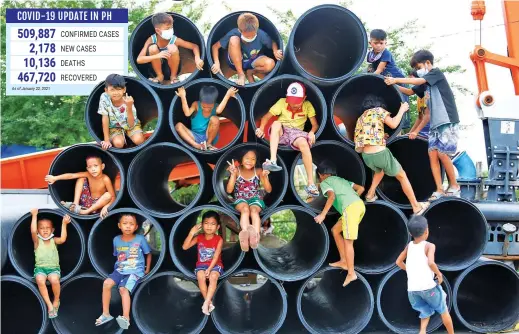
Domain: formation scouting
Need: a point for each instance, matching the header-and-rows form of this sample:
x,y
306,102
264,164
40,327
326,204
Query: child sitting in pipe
x,y
119,114
245,50
161,50
370,140
94,190
425,294
129,249
203,113
46,258
245,182
344,196
209,249
288,129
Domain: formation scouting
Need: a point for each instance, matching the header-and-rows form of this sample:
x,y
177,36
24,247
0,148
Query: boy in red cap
x,y
293,112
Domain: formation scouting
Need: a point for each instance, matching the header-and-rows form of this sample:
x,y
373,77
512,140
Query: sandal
x,y
244,240
254,237
451,192
371,199
53,313
424,206
175,80
312,190
103,319
156,80
436,196
71,206
57,308
123,322
204,146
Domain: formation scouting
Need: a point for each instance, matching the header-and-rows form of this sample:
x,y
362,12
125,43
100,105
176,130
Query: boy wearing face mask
x,y
161,50
443,136
245,50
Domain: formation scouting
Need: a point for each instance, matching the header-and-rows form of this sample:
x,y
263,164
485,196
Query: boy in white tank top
x,y
425,295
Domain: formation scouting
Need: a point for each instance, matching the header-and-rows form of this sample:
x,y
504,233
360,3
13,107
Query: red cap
x,y
296,93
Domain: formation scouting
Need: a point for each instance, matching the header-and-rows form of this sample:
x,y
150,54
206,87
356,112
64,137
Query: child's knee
x,y
153,49
235,41
108,283
302,144
276,127
118,141
172,48
138,138
245,210
255,210
433,154
268,64
179,126
123,291
53,279
213,276
337,229
214,120
41,279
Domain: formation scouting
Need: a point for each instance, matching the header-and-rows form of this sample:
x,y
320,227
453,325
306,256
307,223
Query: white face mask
x,y
167,34
47,238
423,71
248,40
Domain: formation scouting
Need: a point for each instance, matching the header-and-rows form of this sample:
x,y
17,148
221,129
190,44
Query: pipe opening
x,y
324,306
179,299
301,245
241,301
71,253
185,260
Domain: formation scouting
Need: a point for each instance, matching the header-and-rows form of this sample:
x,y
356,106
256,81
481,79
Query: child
x,y
425,295
344,196
46,258
245,45
421,125
205,122
115,106
370,140
293,111
248,200
129,249
209,264
161,50
94,190
267,227
443,135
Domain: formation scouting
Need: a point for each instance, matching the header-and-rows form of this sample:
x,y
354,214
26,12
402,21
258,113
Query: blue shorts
x,y
444,139
205,266
428,301
124,281
201,137
246,64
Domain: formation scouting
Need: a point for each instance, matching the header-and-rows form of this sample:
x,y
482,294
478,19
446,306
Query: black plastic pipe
x,y
414,158
185,261
394,308
185,29
347,162
73,160
23,308
499,211
459,231
279,180
327,45
168,303
300,257
8,219
81,306
148,179
485,297
347,103
148,106
234,111
21,247
100,240
324,306
268,94
258,308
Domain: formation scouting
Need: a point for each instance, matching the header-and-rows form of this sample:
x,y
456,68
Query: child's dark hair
x,y
115,80
128,215
94,157
414,73
378,34
373,101
326,167
250,150
421,57
417,226
211,214
208,94
161,18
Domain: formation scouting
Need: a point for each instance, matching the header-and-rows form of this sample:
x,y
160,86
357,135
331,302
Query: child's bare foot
x,y
205,307
254,237
244,240
349,278
241,79
340,264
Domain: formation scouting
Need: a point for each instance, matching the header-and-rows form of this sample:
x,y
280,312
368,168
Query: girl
x,y
248,200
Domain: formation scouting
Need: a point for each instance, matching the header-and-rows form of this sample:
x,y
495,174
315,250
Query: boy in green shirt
x,y
344,196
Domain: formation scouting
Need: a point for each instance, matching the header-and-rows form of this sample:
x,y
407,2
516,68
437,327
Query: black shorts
x,y
164,65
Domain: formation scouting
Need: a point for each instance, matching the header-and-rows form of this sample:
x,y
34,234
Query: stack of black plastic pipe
x,y
288,289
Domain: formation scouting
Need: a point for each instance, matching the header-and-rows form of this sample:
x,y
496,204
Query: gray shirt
x,y
442,105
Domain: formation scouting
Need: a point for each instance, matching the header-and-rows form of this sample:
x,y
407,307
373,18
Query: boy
x,y
129,249
443,135
293,112
119,114
161,50
94,190
425,295
421,125
209,263
370,140
205,122
344,196
245,45
47,258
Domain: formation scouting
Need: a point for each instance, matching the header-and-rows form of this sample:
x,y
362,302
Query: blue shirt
x,y
391,67
249,50
130,255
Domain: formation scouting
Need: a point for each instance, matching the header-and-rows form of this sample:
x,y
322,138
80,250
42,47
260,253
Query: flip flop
x,y
424,206
435,196
155,80
57,308
123,322
53,313
68,206
372,199
175,80
451,192
254,237
244,240
103,320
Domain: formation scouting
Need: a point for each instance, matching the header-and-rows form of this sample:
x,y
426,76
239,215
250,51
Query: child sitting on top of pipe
x,y
94,190
46,258
209,249
129,249
344,196
425,294
245,50
293,112
119,114
370,140
204,116
161,50
248,199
